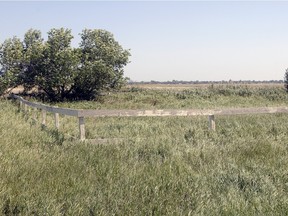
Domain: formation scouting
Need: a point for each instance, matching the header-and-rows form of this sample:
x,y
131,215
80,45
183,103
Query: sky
x,y
171,40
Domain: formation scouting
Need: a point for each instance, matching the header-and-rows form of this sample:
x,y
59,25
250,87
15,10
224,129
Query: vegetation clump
x,y
60,71
286,80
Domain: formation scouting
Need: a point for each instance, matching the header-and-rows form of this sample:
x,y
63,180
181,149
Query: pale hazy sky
x,y
172,40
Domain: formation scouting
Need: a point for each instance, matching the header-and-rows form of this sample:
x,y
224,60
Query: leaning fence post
x,y
57,120
43,123
212,125
82,128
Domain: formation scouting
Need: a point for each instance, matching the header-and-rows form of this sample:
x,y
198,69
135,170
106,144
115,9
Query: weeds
x,y
163,166
211,97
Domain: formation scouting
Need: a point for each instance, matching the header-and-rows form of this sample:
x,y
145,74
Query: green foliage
x,y
102,62
3,84
60,71
11,62
58,67
286,80
33,56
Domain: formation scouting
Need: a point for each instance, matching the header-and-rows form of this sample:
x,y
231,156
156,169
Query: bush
x,y
60,71
286,80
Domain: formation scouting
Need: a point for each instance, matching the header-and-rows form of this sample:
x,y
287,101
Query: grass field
x,y
163,86
162,166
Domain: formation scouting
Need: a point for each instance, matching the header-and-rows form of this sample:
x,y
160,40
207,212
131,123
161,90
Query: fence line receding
x,y
81,114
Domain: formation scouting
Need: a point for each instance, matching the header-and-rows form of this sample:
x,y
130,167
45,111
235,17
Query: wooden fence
x,y
81,114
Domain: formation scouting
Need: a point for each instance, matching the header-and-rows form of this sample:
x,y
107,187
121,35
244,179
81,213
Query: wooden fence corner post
x,y
20,105
212,125
57,120
35,114
43,123
26,108
82,128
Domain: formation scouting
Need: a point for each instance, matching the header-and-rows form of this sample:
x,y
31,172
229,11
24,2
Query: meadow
x,y
158,165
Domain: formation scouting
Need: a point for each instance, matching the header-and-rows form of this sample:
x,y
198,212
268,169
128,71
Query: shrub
x,y
60,71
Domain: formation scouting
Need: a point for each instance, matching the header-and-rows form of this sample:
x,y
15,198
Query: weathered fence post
x,y
43,123
57,120
25,108
35,114
212,125
82,128
20,105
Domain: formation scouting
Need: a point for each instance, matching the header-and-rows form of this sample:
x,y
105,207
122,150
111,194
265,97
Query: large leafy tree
x,y
58,65
11,59
32,57
102,63
59,70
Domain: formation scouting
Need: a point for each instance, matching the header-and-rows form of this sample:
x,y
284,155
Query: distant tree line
x,y
209,82
60,71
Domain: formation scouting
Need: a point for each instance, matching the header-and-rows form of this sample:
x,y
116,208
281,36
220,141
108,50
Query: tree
x,y
286,80
102,62
59,70
58,66
32,56
11,58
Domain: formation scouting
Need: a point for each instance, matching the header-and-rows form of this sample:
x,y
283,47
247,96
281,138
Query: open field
x,y
160,166
212,96
201,85
180,87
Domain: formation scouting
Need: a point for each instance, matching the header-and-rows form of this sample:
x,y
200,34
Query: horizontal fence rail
x,y
81,114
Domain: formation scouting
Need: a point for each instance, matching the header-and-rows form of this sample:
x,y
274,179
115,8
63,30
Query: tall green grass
x,y
198,98
160,166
